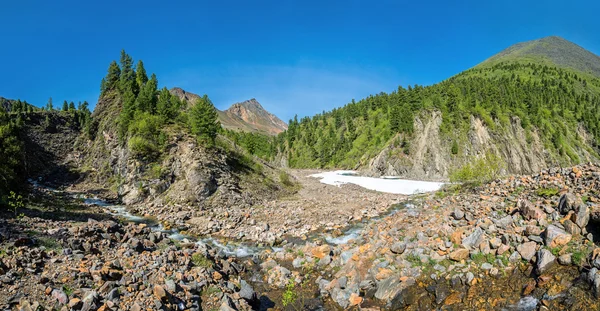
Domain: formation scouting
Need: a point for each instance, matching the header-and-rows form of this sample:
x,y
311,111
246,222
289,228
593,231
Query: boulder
x,y
581,217
568,202
530,211
474,239
545,260
459,254
398,248
527,250
458,214
555,236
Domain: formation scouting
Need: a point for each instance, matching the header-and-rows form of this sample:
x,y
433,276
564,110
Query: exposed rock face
x,y
251,112
430,155
248,116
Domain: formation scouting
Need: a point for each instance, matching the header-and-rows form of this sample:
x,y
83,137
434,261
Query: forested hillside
x,y
555,107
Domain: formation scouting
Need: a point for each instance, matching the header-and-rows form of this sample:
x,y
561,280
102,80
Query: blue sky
x,y
295,57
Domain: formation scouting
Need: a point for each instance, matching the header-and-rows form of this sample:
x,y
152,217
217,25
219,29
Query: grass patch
x,y
200,260
49,243
211,290
546,192
414,259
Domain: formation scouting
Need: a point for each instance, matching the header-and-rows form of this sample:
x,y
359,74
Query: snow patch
x,y
388,184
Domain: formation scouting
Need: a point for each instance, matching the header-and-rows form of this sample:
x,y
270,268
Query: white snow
x,y
397,186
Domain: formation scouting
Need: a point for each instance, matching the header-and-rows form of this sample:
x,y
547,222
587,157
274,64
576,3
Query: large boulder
x,y
581,217
555,236
545,260
568,202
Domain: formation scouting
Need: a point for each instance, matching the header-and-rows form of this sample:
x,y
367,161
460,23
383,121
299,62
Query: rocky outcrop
x,y
430,155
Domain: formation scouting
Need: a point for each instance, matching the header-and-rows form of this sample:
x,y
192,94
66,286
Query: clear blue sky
x,y
295,57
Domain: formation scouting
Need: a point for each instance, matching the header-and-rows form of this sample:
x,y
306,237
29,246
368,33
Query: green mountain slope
x,y
532,114
551,51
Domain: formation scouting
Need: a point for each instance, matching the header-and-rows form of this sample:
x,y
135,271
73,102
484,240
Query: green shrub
x,y
284,178
142,147
479,171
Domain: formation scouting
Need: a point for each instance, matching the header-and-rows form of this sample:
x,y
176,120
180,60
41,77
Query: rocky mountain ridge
x,y
247,116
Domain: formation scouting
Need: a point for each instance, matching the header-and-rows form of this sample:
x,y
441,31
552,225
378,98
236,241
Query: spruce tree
x,y
112,78
127,77
204,120
140,75
71,106
65,106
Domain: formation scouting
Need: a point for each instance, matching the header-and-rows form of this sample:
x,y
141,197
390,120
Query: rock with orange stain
x,y
355,299
321,251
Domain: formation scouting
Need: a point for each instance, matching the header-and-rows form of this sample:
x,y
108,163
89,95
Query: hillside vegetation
x,y
559,107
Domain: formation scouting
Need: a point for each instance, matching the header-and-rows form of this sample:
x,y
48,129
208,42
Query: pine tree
x,y
140,75
127,77
146,99
71,106
49,104
65,106
112,78
167,106
204,120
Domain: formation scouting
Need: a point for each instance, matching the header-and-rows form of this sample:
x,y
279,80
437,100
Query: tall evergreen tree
x,y
112,78
140,75
65,106
204,120
127,77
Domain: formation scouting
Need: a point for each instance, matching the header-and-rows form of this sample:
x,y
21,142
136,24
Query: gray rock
x,y
398,248
514,257
568,202
504,222
571,227
565,259
388,288
527,250
474,239
545,260
555,236
582,216
458,214
527,303
341,297
247,292
486,266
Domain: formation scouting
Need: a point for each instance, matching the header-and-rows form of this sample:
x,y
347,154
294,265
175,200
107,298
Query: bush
x,y
284,178
479,171
141,147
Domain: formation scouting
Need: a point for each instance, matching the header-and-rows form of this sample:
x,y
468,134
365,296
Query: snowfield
x,y
388,184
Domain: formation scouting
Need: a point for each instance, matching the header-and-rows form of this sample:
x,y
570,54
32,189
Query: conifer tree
x,y
203,120
127,77
140,75
65,106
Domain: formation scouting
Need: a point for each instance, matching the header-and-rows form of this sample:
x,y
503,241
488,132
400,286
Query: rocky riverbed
x,y
314,207
521,243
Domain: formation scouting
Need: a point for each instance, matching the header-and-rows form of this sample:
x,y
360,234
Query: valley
x,y
479,192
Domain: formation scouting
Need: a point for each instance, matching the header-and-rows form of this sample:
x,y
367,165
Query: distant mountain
x,y
248,116
552,51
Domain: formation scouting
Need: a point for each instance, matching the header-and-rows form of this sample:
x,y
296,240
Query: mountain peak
x,y
248,116
252,112
552,50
